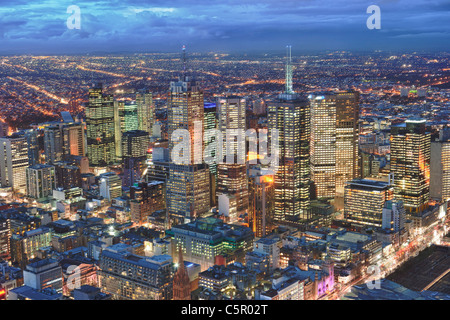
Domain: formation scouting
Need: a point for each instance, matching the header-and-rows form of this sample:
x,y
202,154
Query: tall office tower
x,y
181,282
135,144
13,162
365,199
410,164
145,111
188,185
210,122
43,274
440,166
146,198
100,128
261,202
40,181
128,276
32,137
110,186
53,144
73,139
232,175
188,192
289,114
334,141
323,145
347,135
125,119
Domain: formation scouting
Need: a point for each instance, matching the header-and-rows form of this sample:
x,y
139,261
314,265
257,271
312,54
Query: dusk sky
x,y
39,27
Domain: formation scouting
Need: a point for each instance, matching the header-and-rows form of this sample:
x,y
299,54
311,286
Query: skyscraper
x,y
347,134
188,183
261,202
53,144
211,122
40,181
334,141
289,113
73,136
145,110
410,164
134,155
232,174
100,128
146,198
32,137
125,119
13,162
440,166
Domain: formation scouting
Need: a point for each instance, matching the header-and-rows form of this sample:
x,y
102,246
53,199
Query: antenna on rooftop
x,y
184,60
289,70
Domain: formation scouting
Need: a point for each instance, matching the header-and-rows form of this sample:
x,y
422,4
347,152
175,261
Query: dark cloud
x,y
232,25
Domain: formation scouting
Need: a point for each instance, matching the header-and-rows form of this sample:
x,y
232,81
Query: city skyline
x,y
267,172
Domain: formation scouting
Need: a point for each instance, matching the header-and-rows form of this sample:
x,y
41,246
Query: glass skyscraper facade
x,y
100,128
410,164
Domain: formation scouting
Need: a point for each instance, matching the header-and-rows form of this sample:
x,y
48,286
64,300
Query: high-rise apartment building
x,y
289,114
410,164
41,181
100,128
